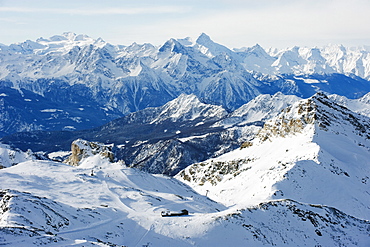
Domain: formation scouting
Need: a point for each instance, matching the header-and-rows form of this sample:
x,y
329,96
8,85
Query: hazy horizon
x,y
233,23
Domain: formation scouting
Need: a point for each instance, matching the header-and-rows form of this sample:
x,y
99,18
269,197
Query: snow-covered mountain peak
x,y
314,54
365,99
204,39
257,59
172,46
212,48
137,50
65,42
335,48
67,36
257,49
188,107
188,41
261,108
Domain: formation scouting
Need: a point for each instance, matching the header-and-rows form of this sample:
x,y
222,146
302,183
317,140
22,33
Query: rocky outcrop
x,y
82,149
318,110
213,172
12,156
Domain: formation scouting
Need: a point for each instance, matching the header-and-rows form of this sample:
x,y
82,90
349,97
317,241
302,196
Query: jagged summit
x,y
256,48
188,107
204,39
172,45
213,48
183,108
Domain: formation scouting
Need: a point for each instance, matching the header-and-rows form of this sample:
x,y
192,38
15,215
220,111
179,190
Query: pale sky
x,y
233,23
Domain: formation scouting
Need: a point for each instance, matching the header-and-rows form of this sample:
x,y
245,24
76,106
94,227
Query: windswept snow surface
x,y
98,201
106,204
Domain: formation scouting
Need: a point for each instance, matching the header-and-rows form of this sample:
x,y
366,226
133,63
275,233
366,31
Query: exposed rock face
x,y
82,149
291,120
214,171
318,110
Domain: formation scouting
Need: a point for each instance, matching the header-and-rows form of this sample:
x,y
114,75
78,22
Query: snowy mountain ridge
x,y
188,107
305,60
61,60
316,110
73,72
309,143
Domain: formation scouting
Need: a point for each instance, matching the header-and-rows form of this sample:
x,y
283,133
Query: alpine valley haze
x,y
262,147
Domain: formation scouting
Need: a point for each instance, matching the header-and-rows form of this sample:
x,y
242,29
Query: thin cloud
x,y
283,26
100,11
10,20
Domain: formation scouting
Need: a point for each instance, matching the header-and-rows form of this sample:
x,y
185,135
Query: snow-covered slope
x,y
96,201
260,109
314,151
360,105
99,203
10,157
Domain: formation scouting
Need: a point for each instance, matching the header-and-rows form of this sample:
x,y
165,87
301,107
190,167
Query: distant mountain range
x,y
74,82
